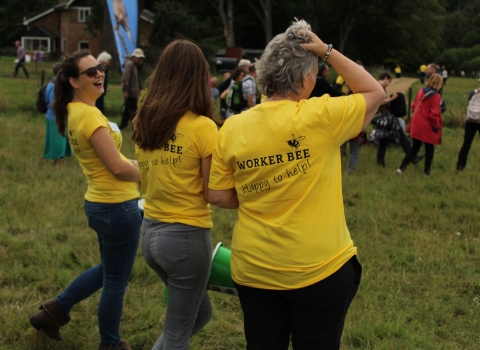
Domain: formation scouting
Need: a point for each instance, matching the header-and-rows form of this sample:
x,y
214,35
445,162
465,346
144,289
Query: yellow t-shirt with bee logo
x,y
103,186
172,183
283,159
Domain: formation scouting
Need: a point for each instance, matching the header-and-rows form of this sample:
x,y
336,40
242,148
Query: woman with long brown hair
x,y
175,136
110,201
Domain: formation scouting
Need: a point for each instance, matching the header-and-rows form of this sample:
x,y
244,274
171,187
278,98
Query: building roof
x,y
145,15
38,31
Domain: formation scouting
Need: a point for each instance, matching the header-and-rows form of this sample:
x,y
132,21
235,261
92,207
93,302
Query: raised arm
x,y
358,79
224,94
103,144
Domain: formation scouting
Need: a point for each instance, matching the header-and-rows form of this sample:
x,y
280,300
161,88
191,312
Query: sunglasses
x,y
92,71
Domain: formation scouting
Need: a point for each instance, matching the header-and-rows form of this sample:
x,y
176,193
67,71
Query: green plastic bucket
x,y
220,275
220,279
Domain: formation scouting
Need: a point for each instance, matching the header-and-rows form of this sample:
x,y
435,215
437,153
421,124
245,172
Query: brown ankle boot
x,y
123,346
49,319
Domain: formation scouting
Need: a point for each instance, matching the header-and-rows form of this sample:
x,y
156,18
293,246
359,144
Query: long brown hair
x,y
178,84
63,90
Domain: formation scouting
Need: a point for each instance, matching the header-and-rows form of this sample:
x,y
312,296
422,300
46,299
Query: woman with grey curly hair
x,y
293,261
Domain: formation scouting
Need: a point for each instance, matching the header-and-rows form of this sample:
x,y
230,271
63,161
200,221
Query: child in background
x,y
215,92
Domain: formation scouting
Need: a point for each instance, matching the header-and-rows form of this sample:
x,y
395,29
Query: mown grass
x,y
418,241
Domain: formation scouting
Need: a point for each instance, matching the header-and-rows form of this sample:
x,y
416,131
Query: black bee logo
x,y
175,137
295,141
70,132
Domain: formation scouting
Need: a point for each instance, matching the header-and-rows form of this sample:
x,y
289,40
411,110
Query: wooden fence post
x,y
42,78
409,110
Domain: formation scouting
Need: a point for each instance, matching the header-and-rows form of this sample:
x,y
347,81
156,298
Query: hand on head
x,y
316,45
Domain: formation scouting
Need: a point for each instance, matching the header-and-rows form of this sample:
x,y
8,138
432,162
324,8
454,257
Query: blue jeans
x,y
181,255
118,228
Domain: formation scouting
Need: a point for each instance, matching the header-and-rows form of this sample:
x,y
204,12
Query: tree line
x,y
378,32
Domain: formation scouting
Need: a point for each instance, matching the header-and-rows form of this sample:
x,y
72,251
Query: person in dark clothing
x,y
387,126
322,86
21,60
472,126
106,58
224,85
131,85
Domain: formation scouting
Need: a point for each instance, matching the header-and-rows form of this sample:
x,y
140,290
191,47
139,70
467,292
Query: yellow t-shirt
x,y
171,178
398,69
340,81
283,159
103,186
423,68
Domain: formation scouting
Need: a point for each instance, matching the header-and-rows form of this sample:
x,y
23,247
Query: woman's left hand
x,y
316,45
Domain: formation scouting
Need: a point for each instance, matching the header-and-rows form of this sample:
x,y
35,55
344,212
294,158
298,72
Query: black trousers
x,y
21,63
313,317
129,111
383,143
471,129
429,152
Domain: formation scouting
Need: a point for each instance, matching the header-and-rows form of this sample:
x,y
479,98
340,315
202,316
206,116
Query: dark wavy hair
x,y
178,84
63,89
236,73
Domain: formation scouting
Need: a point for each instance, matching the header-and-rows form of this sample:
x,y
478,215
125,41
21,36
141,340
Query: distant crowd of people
x,y
275,156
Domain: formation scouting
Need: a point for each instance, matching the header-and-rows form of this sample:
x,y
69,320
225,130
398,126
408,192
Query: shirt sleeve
x,y
343,116
206,138
221,176
126,76
49,94
93,119
249,87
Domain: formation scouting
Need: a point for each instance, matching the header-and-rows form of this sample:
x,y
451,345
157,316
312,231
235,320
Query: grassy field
x,y
418,241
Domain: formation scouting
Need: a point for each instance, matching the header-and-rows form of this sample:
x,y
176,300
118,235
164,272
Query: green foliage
x,y
461,58
174,19
95,20
462,25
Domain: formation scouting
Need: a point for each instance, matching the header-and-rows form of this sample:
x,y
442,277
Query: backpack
x,y
473,109
235,100
41,104
398,106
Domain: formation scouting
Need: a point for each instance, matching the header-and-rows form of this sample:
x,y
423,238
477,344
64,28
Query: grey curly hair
x,y
283,66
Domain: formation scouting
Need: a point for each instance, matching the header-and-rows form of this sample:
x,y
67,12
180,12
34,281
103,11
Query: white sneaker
x,y
399,171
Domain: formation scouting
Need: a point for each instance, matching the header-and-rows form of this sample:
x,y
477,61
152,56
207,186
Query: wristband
x,y
327,54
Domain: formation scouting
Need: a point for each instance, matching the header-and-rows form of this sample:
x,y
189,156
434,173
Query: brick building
x,y
62,29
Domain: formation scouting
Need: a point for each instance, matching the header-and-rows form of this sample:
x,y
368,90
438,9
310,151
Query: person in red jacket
x,y
426,124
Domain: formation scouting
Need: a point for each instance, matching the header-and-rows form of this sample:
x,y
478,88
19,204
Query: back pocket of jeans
x,y
99,220
172,247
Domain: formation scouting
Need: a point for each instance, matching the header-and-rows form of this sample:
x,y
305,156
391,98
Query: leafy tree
x,y
174,18
225,10
264,14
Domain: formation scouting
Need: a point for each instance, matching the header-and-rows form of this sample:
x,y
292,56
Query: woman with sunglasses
x,y
110,201
175,136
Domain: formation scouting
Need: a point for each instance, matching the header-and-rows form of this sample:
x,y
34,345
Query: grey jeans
x,y
181,255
